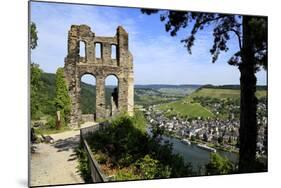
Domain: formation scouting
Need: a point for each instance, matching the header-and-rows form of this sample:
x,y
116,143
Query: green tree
x,y
148,167
192,138
33,35
205,137
62,99
219,165
251,34
35,76
35,85
220,140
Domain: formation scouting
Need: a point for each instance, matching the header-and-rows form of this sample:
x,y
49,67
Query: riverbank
x,y
197,141
192,154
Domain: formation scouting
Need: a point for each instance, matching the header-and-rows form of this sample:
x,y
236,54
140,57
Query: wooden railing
x,y
96,174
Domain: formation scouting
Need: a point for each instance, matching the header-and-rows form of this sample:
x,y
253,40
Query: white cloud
x,y
53,23
158,58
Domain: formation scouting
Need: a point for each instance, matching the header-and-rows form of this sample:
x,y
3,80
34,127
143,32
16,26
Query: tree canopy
x,y
35,76
251,34
62,99
219,165
223,26
33,35
35,86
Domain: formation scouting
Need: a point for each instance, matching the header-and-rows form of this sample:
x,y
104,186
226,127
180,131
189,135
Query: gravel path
x,y
56,163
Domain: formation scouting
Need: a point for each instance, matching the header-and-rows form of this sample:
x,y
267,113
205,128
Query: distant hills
x,y
159,86
224,92
144,94
88,92
259,87
196,104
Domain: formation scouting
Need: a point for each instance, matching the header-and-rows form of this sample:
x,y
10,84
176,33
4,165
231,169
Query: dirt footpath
x,y
56,163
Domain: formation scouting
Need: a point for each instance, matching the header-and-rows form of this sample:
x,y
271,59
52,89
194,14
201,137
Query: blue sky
x,y
158,57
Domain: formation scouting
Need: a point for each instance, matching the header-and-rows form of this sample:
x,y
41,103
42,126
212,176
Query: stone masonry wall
x,y
121,67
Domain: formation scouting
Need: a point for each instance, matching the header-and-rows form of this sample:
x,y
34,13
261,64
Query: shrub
x,y
128,148
51,122
148,166
83,165
35,86
126,159
219,165
127,174
139,121
100,157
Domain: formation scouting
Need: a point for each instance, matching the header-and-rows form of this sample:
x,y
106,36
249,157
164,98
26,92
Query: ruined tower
x,y
100,67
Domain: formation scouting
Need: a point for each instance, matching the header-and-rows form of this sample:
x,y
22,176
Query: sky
x,y
158,57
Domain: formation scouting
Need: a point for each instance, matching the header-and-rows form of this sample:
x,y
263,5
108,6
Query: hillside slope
x,y
200,102
224,93
144,95
47,95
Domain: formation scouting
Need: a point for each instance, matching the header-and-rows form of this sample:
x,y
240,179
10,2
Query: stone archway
x,y
87,98
121,66
111,94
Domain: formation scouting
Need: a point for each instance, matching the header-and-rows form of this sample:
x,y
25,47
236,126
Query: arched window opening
x,y
82,49
88,95
98,49
111,94
113,51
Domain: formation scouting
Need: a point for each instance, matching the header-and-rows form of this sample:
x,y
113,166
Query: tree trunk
x,y
248,102
58,120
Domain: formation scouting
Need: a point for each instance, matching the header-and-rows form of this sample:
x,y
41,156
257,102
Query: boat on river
x,y
207,148
186,141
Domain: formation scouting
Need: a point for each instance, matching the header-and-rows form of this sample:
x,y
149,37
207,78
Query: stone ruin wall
x,y
121,67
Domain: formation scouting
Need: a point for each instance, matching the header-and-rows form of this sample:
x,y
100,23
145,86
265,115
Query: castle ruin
x,y
100,67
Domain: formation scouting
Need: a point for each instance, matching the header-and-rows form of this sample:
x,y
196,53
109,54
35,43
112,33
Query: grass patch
x,y
49,127
217,93
261,93
224,93
186,109
47,131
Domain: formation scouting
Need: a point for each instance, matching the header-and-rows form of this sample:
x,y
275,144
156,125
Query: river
x,y
193,154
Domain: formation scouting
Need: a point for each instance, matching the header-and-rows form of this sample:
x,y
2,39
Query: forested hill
x,y
160,86
259,87
47,95
226,91
143,95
